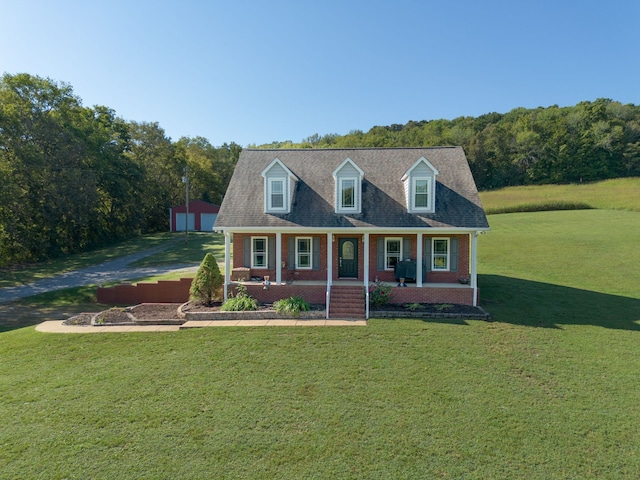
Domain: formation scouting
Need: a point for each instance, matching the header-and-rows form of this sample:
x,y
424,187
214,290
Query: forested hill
x,y
73,178
586,142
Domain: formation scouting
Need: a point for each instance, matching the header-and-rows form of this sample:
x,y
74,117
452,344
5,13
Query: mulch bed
x,y
169,311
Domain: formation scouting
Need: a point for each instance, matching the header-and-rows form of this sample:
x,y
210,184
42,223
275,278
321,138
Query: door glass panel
x,y
348,251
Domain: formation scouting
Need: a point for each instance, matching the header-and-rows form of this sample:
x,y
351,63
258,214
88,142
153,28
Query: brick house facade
x,y
308,221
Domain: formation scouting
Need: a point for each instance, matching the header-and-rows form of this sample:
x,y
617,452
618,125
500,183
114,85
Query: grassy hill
x,y
617,194
548,390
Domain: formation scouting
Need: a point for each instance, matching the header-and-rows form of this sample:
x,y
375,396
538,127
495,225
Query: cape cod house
x,y
327,224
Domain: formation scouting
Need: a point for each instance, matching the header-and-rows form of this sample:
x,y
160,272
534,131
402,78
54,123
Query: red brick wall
x,y
462,296
431,277
321,274
238,258
164,291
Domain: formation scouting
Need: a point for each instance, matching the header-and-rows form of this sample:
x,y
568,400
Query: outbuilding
x,y
202,216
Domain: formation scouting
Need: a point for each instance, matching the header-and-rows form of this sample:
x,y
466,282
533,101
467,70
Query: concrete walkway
x,y
56,326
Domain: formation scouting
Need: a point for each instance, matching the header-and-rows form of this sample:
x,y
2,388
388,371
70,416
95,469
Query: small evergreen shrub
x,y
292,306
242,302
379,294
414,306
207,284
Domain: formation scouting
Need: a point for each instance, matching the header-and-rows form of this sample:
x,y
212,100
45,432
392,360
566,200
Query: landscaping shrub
x,y
207,284
379,294
242,302
292,306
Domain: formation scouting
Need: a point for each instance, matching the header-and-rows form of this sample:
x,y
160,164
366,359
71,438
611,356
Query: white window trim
x,y
429,207
356,194
266,253
270,183
310,253
386,251
434,255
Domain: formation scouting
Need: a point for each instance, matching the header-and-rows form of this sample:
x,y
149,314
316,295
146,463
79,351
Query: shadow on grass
x,y
537,304
57,305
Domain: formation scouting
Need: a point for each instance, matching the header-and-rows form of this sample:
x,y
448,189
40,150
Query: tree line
x,y
586,142
74,178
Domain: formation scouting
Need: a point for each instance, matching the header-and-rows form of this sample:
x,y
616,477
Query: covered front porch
x,y
348,259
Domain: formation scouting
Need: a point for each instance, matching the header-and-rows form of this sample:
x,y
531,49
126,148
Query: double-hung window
x,y
393,252
276,198
347,194
421,193
304,253
440,254
259,252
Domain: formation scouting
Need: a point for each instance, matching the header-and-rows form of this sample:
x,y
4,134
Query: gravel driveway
x,y
114,270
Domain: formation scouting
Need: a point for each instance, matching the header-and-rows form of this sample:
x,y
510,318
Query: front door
x,y
348,258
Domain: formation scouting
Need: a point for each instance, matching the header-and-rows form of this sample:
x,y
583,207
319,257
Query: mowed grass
x,y
616,194
175,250
397,399
548,390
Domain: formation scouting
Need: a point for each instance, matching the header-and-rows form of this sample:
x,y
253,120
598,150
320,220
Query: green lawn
x,y
549,390
616,194
17,275
176,251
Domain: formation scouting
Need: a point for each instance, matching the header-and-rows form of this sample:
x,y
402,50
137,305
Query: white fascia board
x,y
354,230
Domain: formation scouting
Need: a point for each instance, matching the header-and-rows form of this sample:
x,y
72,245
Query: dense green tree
x,y
163,166
210,168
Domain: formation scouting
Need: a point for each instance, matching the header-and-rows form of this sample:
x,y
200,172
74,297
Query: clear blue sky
x,y
253,71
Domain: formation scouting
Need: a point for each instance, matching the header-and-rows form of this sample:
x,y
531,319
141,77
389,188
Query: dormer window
x,y
421,193
348,180
347,194
420,187
276,194
278,188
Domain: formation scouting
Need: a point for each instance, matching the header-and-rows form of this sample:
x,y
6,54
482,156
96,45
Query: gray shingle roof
x,y
383,201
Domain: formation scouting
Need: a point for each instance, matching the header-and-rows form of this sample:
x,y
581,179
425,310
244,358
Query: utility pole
x,y
185,180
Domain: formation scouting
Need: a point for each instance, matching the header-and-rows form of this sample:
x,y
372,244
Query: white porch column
x,y
227,263
278,258
366,260
474,267
366,275
419,262
329,259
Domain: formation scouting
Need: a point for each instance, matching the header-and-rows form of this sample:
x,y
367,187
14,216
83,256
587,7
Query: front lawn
x,y
549,390
397,399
